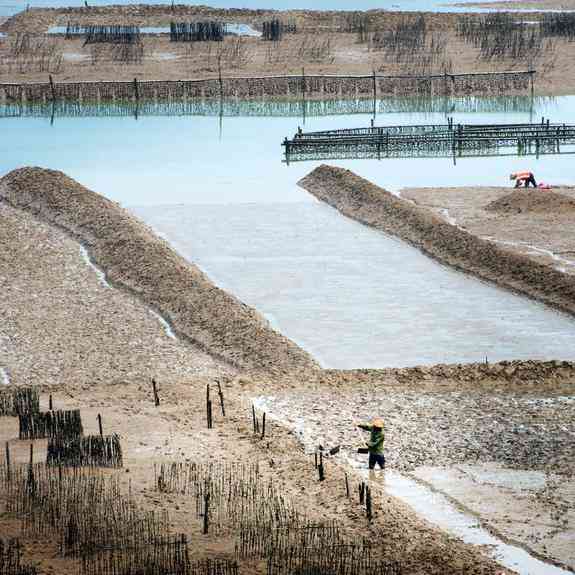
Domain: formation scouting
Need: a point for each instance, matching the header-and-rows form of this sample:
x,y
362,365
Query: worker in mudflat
x,y
523,179
375,443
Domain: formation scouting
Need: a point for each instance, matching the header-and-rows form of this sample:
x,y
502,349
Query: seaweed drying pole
x,y
431,140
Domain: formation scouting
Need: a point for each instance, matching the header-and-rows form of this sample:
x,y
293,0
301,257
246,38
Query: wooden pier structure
x,y
432,140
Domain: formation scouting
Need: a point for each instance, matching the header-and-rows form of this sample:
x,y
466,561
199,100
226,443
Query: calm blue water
x,y
217,189
134,161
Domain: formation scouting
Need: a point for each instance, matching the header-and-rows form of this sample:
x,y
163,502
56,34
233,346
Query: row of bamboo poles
x,y
301,86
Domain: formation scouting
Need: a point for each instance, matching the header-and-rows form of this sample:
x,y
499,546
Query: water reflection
x,y
278,108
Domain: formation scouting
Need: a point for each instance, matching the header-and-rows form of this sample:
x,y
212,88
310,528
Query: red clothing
x,y
522,176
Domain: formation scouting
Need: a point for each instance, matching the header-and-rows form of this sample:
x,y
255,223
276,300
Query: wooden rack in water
x,y
431,140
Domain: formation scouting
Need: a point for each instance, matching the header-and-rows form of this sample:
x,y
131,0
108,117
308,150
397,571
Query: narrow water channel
x,y
216,189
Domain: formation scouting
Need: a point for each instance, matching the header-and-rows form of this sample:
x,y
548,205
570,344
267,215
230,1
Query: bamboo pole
x,y
8,471
221,396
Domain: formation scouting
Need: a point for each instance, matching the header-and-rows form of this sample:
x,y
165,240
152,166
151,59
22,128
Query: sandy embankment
x,y
137,260
60,322
104,345
358,198
539,224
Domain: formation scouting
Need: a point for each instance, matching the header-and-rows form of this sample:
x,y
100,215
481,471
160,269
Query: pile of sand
x,y
531,201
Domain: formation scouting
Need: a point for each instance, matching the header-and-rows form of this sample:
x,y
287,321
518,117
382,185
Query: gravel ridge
x,y
369,204
135,259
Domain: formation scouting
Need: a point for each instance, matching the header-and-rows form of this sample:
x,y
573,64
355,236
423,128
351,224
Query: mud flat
x,y
359,199
321,45
94,347
135,259
498,444
536,223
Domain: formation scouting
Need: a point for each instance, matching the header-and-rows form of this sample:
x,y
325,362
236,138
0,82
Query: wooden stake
x,y
208,407
50,405
100,425
156,396
8,473
263,425
368,503
255,420
220,79
206,512
221,395
320,467
346,486
52,87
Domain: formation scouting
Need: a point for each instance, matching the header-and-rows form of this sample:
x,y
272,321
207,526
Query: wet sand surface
x,y
501,453
117,341
536,223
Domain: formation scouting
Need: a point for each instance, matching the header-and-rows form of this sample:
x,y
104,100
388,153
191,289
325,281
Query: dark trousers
x,y
378,458
525,183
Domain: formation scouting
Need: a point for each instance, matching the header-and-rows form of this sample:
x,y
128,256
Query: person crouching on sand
x,y
375,443
523,179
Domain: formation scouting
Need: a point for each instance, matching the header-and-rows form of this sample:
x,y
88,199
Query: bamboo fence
x,y
297,87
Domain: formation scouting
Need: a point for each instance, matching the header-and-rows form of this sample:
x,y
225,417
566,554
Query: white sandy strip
x,y
101,275
167,327
102,279
430,504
